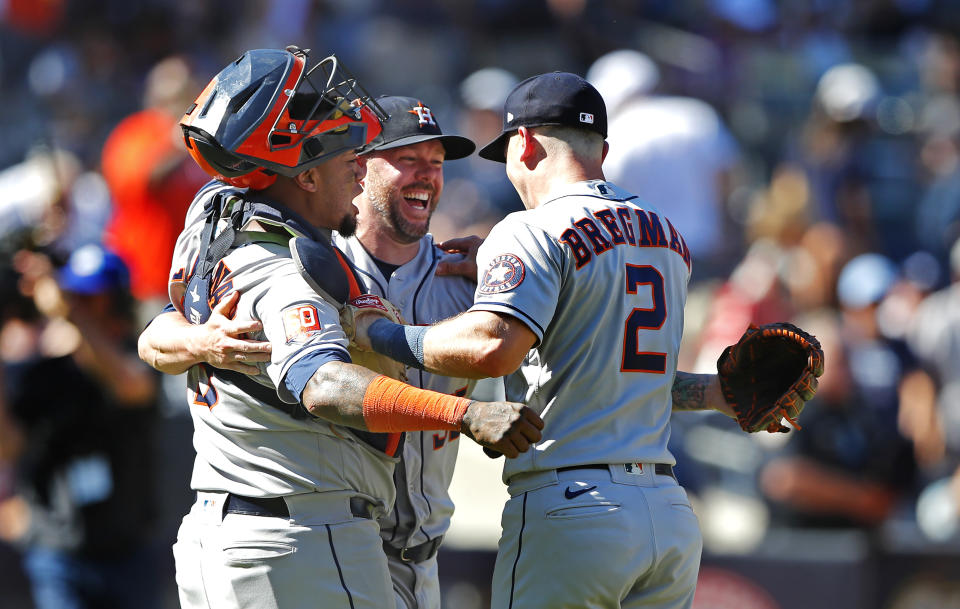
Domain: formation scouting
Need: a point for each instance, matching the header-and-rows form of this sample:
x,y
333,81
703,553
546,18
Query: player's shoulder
x,y
205,194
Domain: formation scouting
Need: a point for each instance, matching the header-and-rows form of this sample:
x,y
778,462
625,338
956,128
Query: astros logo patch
x,y
424,116
299,322
504,273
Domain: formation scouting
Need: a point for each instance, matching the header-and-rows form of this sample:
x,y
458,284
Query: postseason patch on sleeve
x,y
299,322
504,273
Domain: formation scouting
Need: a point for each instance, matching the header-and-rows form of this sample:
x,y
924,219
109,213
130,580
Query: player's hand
x,y
220,341
505,427
464,267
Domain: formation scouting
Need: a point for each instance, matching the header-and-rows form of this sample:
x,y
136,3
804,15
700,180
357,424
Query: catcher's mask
x,y
267,114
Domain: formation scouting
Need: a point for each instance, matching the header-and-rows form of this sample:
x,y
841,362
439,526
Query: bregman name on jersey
x,y
626,226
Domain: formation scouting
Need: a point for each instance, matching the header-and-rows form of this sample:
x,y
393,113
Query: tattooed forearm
x,y
689,391
698,392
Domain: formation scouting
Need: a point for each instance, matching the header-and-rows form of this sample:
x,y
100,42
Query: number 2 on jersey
x,y
644,319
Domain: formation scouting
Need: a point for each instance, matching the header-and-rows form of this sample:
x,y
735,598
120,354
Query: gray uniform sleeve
x,y
521,274
298,323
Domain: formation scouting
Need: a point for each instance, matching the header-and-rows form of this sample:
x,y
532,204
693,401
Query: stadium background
x,y
818,170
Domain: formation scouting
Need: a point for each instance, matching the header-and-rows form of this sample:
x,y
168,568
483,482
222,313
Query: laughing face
x,y
403,186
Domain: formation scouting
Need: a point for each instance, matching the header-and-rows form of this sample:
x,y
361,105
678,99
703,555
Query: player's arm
x,y
172,345
475,344
351,395
699,392
480,344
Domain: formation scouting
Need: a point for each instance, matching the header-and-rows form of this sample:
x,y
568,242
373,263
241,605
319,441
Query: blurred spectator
x,y
83,405
860,164
477,192
938,212
934,336
849,466
151,178
34,198
674,152
787,267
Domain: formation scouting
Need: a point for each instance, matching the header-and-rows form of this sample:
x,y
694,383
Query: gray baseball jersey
x,y
231,428
602,371
601,280
423,506
247,446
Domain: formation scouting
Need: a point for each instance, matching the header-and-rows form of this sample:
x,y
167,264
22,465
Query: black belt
x,y
658,468
419,553
277,507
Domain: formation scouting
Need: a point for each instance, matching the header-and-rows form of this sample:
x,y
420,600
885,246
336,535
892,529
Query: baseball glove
x,y
769,375
370,304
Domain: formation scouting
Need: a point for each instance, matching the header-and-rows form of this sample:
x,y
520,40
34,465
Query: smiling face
x,y
402,187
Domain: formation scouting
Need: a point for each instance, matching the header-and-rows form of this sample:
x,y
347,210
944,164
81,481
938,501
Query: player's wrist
x,y
399,342
194,345
466,423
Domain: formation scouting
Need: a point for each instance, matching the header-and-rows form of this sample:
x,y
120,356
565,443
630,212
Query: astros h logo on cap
x,y
410,121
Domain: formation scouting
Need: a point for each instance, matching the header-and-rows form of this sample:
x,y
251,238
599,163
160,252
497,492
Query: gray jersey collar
x,y
589,188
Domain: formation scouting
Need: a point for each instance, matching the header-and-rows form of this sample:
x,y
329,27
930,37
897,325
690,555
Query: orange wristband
x,y
390,406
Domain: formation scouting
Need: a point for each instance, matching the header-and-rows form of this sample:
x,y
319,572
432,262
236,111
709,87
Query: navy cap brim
x,y
497,149
455,146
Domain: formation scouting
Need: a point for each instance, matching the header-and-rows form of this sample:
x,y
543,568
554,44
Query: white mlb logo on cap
x,y
586,117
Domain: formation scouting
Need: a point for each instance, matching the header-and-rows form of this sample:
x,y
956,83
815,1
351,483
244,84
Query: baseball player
x,y
398,259
294,462
583,292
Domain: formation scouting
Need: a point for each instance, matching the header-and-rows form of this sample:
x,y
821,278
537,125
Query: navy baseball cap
x,y
93,269
411,122
556,98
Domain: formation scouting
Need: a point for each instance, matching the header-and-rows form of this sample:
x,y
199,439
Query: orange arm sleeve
x,y
392,406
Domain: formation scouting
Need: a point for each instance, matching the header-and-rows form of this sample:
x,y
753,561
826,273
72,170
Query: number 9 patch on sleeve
x,y
299,322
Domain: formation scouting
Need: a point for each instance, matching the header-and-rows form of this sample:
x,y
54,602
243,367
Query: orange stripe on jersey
x,y
355,290
393,438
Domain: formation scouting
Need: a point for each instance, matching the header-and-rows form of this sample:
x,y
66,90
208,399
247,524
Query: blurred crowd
x,y
808,151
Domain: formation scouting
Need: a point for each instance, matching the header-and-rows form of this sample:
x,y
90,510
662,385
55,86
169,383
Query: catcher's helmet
x,y
266,114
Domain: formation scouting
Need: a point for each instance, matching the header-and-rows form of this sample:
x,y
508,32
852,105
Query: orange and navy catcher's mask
x,y
266,114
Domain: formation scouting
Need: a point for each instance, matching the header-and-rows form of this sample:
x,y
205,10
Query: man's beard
x,y
403,230
348,226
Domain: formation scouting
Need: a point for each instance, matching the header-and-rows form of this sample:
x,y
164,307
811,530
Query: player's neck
x,y
383,247
548,178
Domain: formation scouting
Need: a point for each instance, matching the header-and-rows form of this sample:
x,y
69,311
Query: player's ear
x,y
606,149
527,144
308,180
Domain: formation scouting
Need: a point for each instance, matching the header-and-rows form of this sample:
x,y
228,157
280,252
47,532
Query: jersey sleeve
x,y
301,328
520,271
